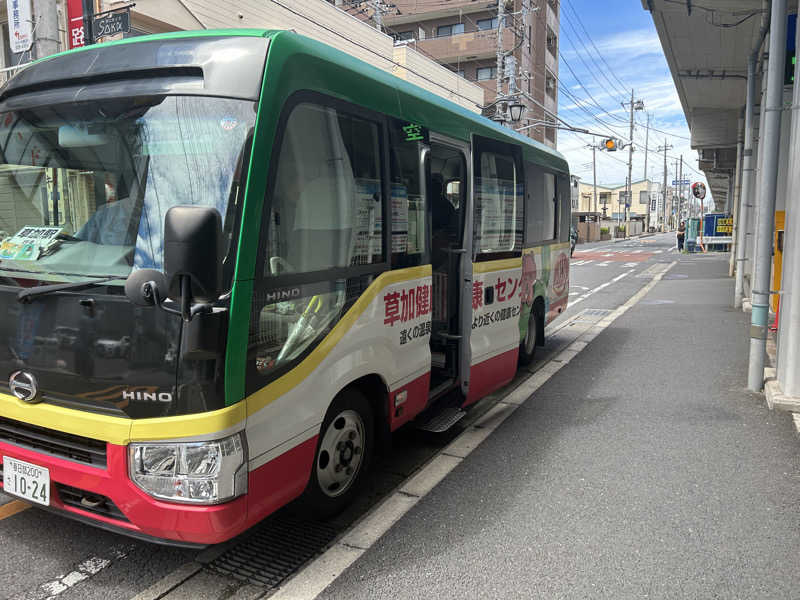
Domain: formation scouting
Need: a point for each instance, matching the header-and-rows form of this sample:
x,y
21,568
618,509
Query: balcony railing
x,y
472,45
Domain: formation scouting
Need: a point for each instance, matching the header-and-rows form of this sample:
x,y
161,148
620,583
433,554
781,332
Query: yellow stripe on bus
x,y
497,265
186,426
293,378
115,430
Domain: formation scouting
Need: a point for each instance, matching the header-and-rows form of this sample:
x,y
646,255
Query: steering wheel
x,y
279,261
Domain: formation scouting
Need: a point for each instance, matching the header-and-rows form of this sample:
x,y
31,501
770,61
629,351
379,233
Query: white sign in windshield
x,y
20,25
29,243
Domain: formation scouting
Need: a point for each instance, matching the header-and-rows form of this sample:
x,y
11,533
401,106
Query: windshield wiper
x,y
29,294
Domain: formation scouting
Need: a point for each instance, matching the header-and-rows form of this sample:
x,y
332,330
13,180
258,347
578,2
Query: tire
x,y
341,461
527,347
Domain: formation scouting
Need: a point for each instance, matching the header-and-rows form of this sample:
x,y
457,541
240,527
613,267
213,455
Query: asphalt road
x,y
43,552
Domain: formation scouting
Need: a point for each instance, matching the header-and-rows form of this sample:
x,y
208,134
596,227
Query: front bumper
x,y
129,509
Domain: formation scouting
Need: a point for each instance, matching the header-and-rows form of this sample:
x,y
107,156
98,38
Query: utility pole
x,y
377,10
500,112
675,192
45,28
593,146
629,187
88,14
680,191
646,140
635,105
664,148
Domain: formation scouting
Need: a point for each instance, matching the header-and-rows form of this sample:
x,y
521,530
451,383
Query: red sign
x,y
75,23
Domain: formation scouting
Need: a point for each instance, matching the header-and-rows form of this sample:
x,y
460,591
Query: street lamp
x,y
516,111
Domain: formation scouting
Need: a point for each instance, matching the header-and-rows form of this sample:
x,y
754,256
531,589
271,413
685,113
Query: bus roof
x,y
414,103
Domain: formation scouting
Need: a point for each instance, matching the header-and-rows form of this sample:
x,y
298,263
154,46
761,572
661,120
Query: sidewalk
x,y
642,469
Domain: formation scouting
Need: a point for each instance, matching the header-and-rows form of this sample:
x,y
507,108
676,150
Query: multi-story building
x,y
463,35
611,198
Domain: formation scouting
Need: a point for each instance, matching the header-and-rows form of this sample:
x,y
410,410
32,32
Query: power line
x,y
610,70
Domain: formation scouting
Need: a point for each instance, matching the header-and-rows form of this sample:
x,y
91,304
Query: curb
x,y
777,400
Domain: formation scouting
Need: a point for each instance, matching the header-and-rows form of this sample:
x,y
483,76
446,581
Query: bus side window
x,y
499,214
408,198
541,205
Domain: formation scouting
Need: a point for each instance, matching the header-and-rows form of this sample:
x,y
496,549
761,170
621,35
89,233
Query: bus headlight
x,y
191,472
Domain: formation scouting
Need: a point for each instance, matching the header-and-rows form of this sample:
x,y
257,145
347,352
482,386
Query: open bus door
x,y
449,183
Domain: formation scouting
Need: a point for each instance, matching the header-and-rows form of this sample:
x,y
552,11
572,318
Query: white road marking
x,y
605,263
630,264
85,570
635,251
618,277
573,294
310,581
657,251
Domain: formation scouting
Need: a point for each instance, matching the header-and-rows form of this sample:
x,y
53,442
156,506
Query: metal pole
x,y
745,202
789,325
770,141
629,187
737,195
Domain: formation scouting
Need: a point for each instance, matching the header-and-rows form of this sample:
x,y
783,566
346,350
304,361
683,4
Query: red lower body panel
x,y
269,487
416,401
487,376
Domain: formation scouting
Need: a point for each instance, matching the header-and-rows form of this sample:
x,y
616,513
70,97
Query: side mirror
x,y
192,256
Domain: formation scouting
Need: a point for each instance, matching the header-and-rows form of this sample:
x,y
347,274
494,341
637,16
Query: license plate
x,y
25,480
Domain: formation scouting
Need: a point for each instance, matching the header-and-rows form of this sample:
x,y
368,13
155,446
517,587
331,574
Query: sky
x,y
607,48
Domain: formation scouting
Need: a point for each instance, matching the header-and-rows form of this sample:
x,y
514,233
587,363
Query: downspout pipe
x,y
748,164
765,223
734,200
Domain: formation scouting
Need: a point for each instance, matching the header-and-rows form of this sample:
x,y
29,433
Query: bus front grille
x,y
89,501
64,445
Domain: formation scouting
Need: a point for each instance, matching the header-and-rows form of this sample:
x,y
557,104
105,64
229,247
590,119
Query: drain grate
x,y
274,551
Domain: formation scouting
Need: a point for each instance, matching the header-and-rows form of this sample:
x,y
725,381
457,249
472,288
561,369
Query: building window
x,y
552,41
446,30
484,24
550,84
486,73
460,73
402,36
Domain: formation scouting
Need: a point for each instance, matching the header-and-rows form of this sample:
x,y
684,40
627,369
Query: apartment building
x,y
463,35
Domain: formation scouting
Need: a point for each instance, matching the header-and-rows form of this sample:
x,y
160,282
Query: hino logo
x,y
147,396
284,294
23,385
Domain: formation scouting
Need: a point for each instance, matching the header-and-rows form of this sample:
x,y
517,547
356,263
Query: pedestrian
x,y
573,239
681,235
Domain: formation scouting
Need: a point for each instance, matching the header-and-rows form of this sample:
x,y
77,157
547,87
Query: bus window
x,y
324,220
409,206
498,205
542,214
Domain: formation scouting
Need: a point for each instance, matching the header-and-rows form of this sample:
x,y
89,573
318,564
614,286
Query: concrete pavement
x,y
643,470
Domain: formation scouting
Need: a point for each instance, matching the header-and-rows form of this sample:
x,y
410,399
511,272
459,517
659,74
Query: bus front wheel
x,y
343,454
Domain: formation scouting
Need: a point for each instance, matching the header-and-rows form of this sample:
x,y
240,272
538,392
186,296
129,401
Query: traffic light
x,y
610,144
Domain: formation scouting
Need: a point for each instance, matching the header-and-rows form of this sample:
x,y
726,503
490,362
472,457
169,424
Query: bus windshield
x,y
84,187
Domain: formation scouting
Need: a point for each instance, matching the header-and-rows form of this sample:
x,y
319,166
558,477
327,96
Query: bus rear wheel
x,y
527,348
344,450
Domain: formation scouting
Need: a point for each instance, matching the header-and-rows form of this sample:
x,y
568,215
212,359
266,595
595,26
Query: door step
x,y
441,420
